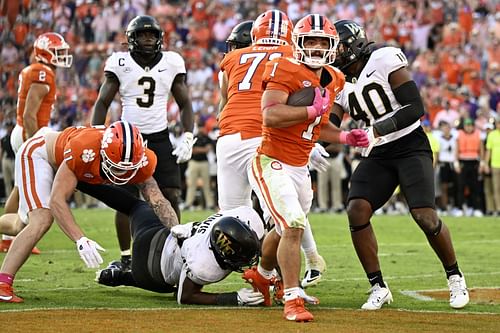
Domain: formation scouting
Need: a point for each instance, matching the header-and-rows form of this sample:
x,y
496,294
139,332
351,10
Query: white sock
x,y
6,237
309,244
125,253
291,293
264,272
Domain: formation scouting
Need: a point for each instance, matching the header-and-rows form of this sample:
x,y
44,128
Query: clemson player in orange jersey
x,y
279,173
48,169
36,97
240,118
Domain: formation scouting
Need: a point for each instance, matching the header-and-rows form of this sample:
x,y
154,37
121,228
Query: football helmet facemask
x,y
272,27
234,244
123,152
239,36
51,48
140,44
353,45
314,26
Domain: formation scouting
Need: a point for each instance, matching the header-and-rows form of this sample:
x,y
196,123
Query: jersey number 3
x,y
149,85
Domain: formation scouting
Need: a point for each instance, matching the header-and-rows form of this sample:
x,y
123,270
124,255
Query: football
x,y
302,97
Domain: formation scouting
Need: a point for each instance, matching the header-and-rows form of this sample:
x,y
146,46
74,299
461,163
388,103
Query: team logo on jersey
x,y
275,165
88,175
88,155
224,244
306,83
127,69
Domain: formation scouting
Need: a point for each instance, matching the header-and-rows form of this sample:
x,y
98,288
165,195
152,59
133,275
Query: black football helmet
x,y
144,23
353,45
234,243
240,36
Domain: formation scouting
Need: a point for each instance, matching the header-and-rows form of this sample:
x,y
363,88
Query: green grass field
x,y
58,278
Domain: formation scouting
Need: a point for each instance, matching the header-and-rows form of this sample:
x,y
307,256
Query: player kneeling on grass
x,y
186,257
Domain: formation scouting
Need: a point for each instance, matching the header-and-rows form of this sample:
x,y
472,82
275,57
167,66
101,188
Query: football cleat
x,y
7,294
259,283
459,295
295,311
278,291
5,246
378,297
112,275
314,272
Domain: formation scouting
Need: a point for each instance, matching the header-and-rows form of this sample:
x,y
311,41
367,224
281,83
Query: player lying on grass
x,y
186,257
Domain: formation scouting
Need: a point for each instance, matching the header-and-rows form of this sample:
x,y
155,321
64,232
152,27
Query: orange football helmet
x,y
315,25
123,152
272,27
52,49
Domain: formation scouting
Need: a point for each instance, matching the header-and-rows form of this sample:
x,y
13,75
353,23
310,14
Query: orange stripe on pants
x,y
264,189
30,147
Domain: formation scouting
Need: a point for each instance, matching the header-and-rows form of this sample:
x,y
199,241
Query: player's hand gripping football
x,y
356,138
185,149
88,250
320,103
317,158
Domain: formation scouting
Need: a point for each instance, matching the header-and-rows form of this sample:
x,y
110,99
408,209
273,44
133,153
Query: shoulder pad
x,y
389,58
174,58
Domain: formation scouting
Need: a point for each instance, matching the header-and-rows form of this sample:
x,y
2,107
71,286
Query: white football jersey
x,y
195,259
370,99
144,91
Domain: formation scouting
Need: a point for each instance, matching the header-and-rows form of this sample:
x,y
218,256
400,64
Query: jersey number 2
x,y
149,85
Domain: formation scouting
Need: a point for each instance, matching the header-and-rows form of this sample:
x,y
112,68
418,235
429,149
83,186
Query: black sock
x,y
376,277
452,270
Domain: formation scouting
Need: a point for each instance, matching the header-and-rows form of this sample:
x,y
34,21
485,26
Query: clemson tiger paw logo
x,y
88,155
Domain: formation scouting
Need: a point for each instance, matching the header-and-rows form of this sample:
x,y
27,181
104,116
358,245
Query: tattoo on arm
x,y
161,206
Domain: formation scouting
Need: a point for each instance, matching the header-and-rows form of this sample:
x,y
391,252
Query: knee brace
x,y
436,230
356,228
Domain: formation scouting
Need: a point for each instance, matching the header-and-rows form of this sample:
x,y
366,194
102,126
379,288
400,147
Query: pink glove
x,y
356,138
320,104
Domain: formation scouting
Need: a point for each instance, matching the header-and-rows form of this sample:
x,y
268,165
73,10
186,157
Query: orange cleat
x,y
296,311
5,246
7,294
279,291
258,282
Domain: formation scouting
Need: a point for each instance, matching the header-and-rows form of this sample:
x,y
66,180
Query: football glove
x,y
356,138
185,149
320,104
88,250
247,296
317,158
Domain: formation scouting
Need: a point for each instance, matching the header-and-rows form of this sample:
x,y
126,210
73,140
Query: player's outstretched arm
x,y
190,293
161,206
180,91
107,92
63,187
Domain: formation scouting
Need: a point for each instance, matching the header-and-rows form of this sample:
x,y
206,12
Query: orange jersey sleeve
x,y
244,69
79,148
293,144
36,73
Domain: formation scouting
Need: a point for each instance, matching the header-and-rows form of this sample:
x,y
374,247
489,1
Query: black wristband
x,y
227,299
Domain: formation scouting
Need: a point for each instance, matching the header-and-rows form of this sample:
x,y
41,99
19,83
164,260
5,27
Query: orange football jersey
x,y
80,148
293,144
244,68
36,73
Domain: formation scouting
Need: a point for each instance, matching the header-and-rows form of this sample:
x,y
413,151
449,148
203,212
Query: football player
x,y
48,168
36,97
145,76
279,173
186,257
380,94
251,46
